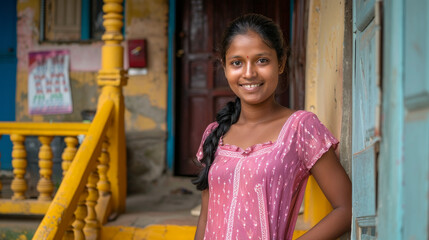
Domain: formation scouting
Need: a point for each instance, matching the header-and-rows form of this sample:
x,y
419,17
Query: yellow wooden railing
x,y
18,204
94,174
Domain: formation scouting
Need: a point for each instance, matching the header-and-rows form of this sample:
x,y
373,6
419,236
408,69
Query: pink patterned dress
x,y
256,193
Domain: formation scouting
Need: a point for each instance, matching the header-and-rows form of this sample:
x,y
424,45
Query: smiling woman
x,y
253,78
257,156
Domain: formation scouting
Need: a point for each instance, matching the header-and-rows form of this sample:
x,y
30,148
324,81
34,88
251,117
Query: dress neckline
x,y
258,146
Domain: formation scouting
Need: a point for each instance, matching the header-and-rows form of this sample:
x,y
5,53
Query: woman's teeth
x,y
251,86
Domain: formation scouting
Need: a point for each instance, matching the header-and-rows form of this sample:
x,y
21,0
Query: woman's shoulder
x,y
304,116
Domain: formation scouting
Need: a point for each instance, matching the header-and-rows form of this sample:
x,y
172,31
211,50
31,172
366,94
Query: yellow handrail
x,y
43,129
61,210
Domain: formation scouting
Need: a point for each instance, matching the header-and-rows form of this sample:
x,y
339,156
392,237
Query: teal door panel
x,y
366,118
416,128
364,173
366,90
416,89
403,208
415,175
8,63
364,13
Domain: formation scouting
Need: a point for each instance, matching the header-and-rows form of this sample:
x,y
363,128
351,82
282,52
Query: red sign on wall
x,y
137,53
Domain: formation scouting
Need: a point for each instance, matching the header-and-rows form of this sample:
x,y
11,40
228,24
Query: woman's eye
x,y
236,63
263,60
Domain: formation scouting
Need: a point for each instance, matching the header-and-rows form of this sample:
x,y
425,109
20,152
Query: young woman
x,y
258,155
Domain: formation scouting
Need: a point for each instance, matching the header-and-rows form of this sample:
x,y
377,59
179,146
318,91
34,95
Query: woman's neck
x,y
255,114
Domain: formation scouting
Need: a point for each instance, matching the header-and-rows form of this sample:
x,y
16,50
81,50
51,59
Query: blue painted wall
x,y
8,63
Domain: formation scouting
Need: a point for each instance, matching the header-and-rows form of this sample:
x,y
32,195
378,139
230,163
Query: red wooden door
x,y
201,87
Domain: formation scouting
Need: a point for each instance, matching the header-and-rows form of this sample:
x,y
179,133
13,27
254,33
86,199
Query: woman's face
x,y
252,69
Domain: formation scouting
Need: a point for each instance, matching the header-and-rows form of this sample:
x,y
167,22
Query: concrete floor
x,y
169,201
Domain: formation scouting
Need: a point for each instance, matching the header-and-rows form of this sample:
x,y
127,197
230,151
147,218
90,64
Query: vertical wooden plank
x,y
416,34
416,128
389,222
415,175
365,126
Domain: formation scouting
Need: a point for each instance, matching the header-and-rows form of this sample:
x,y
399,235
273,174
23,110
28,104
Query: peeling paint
x,y
145,95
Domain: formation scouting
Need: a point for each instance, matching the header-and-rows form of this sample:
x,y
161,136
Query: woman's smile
x,y
251,86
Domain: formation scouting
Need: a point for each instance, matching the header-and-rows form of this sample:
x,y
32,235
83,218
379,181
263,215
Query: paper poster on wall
x,y
48,82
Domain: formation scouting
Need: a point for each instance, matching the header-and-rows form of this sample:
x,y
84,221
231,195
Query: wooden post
x,y
111,78
19,163
69,153
45,185
92,226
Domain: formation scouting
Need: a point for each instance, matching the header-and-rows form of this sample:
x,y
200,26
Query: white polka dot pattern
x,y
255,193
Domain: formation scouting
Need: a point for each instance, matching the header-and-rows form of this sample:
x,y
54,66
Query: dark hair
x,y
273,37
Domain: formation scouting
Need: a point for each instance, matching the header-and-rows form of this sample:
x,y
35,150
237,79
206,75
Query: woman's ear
x,y
282,65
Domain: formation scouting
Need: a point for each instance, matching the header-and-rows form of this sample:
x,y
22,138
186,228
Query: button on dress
x,y
256,193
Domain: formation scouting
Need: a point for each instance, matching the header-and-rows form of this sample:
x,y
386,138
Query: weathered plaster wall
x,y
324,84
84,64
324,73
145,95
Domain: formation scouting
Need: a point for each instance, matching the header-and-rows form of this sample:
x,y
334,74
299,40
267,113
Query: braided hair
x,y
273,37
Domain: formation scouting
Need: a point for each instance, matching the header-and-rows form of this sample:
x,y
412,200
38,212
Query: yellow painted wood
x,y
44,129
23,207
152,232
323,85
45,185
104,204
316,206
103,184
19,164
298,233
69,153
157,232
69,234
111,78
92,226
73,184
80,214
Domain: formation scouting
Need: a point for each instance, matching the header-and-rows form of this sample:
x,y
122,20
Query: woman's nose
x,y
249,71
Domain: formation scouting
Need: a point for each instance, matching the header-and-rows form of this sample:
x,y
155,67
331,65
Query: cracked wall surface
x,y
145,95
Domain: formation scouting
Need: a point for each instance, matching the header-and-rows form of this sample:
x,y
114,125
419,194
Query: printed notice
x,y
48,82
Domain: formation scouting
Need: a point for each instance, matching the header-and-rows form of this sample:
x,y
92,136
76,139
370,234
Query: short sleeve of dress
x,y
207,132
314,139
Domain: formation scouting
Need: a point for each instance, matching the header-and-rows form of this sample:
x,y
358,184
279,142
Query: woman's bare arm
x,y
336,186
202,220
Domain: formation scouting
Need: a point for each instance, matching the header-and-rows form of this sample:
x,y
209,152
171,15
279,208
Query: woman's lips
x,y
251,86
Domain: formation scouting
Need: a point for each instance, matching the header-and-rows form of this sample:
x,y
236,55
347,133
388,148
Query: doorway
x,y
201,88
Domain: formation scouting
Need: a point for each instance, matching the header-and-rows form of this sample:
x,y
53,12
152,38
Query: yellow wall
x,y
324,83
324,72
145,95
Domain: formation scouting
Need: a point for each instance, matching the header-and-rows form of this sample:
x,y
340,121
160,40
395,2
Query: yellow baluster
x,y
69,153
69,234
80,214
103,184
92,227
19,164
45,185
